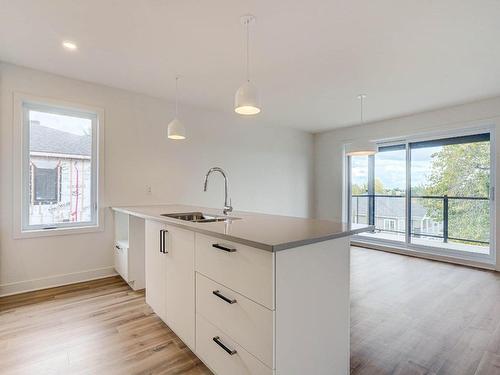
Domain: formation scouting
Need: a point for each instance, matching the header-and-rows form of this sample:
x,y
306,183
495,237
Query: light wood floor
x,y
415,316
409,316
98,327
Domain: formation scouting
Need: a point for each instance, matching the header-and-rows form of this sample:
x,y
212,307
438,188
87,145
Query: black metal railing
x,y
370,214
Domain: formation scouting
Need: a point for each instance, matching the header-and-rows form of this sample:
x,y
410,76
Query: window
x,y
380,193
450,185
59,167
46,188
429,194
390,225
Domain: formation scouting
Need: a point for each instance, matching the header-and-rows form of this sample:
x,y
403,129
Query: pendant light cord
x,y
361,110
362,97
248,50
176,96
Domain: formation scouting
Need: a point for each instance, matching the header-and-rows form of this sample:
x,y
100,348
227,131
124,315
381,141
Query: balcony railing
x,y
443,226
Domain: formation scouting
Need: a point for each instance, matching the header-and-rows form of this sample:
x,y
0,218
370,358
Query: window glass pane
x,y
388,197
359,189
449,207
46,185
60,168
450,183
390,187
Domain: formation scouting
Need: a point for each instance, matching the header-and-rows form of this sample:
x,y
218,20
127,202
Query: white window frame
x,y
22,104
435,252
391,222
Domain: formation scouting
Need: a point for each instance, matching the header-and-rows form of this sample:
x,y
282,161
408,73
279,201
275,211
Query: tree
x,y
461,170
359,189
363,188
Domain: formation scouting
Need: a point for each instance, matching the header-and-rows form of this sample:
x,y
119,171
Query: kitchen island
x,y
249,293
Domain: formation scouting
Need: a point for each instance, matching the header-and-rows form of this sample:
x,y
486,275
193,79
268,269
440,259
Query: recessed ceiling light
x,y
69,45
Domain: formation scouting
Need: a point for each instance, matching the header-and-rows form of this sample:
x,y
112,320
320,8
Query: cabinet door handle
x,y
218,342
227,248
223,297
165,251
163,241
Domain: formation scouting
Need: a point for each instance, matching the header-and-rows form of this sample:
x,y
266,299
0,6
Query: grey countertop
x,y
267,232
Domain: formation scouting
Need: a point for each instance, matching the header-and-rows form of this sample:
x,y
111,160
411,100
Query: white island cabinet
x,y
247,302
128,251
170,289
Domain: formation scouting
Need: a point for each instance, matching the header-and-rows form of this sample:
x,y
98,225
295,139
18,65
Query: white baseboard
x,y
54,281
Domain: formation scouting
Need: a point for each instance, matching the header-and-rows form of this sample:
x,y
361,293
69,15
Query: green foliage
x,y
359,189
379,189
379,186
461,170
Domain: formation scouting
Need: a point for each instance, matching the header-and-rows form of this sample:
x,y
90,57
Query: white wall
x,y
270,170
328,160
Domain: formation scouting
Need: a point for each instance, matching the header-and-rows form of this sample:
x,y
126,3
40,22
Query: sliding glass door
x,y
379,198
450,185
431,195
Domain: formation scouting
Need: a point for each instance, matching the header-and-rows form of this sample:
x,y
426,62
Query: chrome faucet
x,y
227,203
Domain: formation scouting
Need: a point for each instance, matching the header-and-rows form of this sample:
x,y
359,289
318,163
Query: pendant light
x,y
361,148
176,129
246,100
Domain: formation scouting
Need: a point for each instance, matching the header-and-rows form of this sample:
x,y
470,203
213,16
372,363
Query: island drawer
x,y
222,355
247,322
247,270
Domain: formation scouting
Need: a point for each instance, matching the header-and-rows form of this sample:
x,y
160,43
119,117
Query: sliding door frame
x,y
407,245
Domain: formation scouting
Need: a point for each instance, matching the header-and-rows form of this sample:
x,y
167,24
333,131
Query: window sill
x,y
57,232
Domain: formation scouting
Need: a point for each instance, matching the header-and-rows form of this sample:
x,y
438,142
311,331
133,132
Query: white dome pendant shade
x,y
361,148
176,128
246,99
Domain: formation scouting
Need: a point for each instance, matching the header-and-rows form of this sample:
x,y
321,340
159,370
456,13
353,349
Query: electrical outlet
x,y
149,190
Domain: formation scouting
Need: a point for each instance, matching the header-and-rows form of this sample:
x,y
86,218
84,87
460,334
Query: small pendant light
x,y
176,129
246,100
361,148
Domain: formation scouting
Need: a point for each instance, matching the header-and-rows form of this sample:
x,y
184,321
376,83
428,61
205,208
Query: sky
x,y
73,125
390,167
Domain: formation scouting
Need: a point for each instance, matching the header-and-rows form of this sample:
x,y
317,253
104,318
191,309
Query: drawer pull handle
x,y
229,249
163,241
223,297
218,342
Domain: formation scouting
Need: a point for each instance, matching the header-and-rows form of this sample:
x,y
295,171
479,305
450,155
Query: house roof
x,y
54,141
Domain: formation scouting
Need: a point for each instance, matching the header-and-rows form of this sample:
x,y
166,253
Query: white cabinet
x,y
248,311
129,249
222,354
170,277
247,270
247,322
180,289
120,255
156,268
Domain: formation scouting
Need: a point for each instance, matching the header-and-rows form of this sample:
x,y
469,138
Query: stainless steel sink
x,y
199,217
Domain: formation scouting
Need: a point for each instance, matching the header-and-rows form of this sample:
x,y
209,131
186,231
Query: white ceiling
x,y
310,58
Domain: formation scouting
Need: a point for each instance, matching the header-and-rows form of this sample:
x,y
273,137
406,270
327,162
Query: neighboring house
x,y
60,175
390,215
